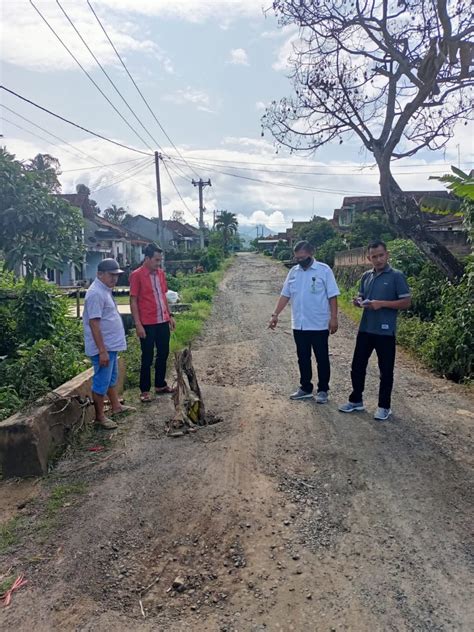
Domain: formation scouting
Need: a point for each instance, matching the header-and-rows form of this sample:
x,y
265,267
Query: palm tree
x,y
115,214
48,168
227,224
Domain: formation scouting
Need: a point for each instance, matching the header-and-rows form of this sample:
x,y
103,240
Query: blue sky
x,y
207,68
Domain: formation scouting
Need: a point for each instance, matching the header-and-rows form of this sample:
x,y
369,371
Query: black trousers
x,y
385,349
156,336
306,342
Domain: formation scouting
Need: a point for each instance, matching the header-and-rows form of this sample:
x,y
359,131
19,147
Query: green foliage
x,y
446,343
226,224
405,256
317,231
462,185
211,259
193,294
41,347
41,367
9,401
9,534
37,309
368,227
37,229
426,290
326,252
286,254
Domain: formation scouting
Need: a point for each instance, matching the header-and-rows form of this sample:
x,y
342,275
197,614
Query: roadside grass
x,y
345,303
196,290
9,535
6,584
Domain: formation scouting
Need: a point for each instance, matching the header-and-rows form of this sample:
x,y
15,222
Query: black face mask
x,y
305,263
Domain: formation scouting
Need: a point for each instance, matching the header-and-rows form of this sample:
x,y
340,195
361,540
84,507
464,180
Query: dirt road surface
x,y
287,516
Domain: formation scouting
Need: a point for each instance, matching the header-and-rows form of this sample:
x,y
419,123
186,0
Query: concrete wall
x,y
30,438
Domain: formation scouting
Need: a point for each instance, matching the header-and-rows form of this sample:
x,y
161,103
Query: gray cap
x,y
109,265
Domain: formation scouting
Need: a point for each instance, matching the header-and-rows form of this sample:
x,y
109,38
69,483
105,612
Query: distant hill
x,y
248,233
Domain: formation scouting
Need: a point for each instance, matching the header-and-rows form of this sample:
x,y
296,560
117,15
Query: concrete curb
x,y
30,438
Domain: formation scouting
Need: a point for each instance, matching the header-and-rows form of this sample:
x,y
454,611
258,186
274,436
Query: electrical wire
x,y
136,86
88,75
99,166
106,73
177,191
137,169
312,173
285,185
65,120
306,166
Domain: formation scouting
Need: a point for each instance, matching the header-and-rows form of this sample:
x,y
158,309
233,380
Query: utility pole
x,y
201,184
161,236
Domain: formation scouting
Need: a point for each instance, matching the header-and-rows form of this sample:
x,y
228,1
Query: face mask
x,y
305,263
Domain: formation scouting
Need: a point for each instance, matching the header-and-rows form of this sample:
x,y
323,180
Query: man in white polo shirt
x,y
312,290
104,337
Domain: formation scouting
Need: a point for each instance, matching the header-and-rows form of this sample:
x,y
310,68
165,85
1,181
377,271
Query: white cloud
x,y
275,220
189,10
190,95
266,198
285,53
239,57
27,42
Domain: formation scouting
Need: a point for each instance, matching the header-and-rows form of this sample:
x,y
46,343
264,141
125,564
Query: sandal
x,y
164,390
145,398
107,424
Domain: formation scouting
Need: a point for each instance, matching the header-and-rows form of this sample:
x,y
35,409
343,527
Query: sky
x,y
207,68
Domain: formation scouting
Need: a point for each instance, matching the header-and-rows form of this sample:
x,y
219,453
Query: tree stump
x,y
190,411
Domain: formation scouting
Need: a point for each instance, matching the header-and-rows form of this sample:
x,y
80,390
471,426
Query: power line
x,y
312,173
136,86
91,167
285,185
105,72
177,190
76,149
137,169
84,129
306,166
91,79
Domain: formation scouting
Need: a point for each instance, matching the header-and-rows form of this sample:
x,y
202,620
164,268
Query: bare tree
x,y
394,74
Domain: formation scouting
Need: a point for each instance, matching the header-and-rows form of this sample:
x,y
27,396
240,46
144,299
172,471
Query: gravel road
x,y
284,516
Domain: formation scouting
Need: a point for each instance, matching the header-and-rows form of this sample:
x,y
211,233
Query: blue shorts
x,y
104,376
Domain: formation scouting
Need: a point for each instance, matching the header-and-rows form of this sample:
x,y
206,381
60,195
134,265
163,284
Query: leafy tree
x,y
405,256
327,251
37,230
48,170
392,74
368,227
317,231
115,214
227,224
462,185
82,189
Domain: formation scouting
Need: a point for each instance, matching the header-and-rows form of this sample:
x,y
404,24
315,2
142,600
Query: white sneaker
x,y
382,414
300,394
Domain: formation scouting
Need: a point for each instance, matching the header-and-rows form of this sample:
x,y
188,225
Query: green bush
x,y
190,294
285,254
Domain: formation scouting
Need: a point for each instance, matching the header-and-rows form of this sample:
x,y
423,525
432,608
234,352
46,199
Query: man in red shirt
x,y
153,321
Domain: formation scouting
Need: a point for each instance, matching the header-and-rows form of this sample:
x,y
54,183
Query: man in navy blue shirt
x,y
382,292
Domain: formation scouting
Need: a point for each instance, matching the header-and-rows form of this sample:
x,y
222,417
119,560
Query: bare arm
x,y
94,324
136,317
333,324
280,306
172,320
401,303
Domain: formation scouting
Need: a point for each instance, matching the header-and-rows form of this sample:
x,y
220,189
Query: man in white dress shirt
x,y
312,290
